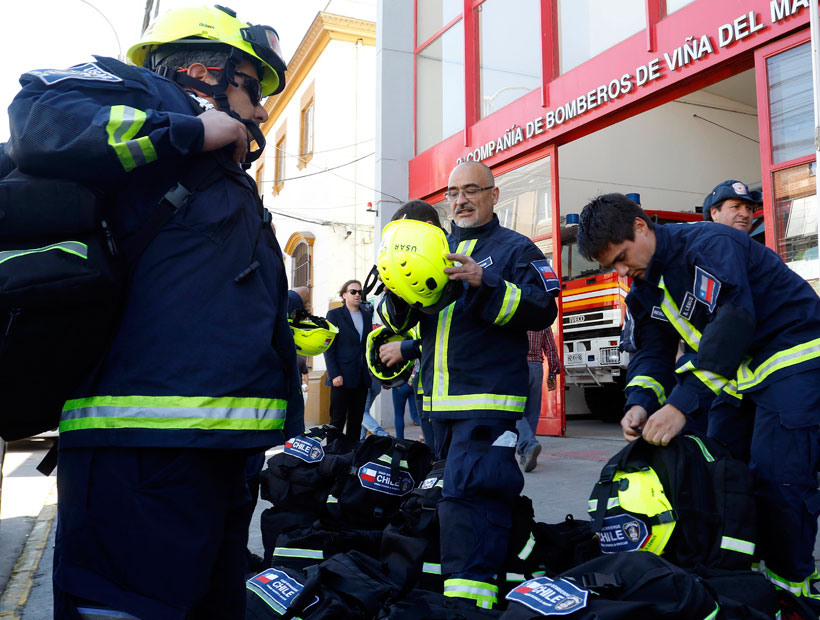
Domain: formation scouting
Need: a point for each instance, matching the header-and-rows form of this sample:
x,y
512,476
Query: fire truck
x,y
593,305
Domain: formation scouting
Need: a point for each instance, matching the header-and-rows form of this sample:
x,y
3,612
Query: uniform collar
x,y
660,258
461,234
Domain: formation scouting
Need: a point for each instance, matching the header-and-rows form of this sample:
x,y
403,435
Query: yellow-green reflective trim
x,y
731,389
670,309
512,297
204,402
295,552
797,354
179,424
124,122
735,544
76,248
471,402
527,550
430,568
484,594
712,380
795,587
714,614
706,454
592,505
644,381
384,458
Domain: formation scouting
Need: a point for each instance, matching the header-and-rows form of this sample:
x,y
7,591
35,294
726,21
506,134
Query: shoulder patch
x,y
657,313
88,71
548,277
550,597
706,288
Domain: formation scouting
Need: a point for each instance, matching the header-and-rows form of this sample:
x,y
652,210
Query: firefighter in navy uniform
x,y
754,328
474,372
153,506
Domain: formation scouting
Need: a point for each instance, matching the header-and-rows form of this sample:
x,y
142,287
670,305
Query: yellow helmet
x,y
411,263
648,519
312,335
208,25
389,376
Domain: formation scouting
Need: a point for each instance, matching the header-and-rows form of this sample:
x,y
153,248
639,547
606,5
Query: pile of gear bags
x,y
353,534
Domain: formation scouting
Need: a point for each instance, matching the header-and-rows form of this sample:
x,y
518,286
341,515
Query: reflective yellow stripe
x,y
124,122
712,380
484,594
649,383
735,544
173,413
445,318
527,550
69,247
468,402
748,378
670,309
714,614
512,297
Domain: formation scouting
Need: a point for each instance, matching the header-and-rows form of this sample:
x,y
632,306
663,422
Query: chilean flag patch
x,y
706,289
548,277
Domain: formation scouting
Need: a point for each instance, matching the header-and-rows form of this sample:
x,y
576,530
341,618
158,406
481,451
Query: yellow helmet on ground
x,y
411,263
209,25
312,335
388,376
647,519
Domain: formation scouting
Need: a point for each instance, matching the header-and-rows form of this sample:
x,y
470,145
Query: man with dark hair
x,y
750,325
475,379
732,203
153,509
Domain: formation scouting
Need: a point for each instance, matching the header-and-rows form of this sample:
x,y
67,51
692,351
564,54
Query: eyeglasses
x,y
469,192
251,86
354,291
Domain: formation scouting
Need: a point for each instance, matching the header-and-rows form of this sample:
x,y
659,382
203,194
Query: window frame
x,y
307,103
280,157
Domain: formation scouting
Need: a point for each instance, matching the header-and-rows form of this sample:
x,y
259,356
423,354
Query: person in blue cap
x,y
732,203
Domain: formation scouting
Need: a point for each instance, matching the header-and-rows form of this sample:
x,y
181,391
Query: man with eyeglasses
x,y
475,379
154,510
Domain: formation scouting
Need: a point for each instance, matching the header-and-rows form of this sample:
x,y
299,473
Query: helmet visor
x,y
265,42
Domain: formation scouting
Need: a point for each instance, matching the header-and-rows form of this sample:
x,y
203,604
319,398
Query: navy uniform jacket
x,y
474,352
745,317
199,360
345,356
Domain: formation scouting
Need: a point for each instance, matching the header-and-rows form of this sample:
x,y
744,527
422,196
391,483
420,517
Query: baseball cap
x,y
726,190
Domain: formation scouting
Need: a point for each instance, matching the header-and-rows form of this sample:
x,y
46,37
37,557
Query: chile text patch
x,y
305,448
376,477
87,71
622,533
548,277
550,597
277,589
707,288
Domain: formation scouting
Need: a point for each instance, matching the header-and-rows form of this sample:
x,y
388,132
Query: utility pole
x,y
149,5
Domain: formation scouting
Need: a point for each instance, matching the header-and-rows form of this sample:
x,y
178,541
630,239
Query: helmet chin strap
x,y
219,92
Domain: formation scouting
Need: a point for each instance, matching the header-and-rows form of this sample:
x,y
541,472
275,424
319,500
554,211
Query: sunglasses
x,y
250,84
354,291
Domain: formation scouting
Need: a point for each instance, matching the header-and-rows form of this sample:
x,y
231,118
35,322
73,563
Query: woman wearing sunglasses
x,y
347,373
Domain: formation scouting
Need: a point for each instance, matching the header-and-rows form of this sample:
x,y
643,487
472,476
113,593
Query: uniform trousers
x,y
159,533
347,406
481,482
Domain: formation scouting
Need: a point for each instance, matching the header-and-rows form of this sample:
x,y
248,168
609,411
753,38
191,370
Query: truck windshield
x,y
573,265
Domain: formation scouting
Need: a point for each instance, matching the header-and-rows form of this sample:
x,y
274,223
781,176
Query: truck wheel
x,y
606,402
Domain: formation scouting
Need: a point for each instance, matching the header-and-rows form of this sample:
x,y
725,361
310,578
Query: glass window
x,y
510,66
795,205
433,15
525,199
588,27
306,127
790,103
279,164
674,5
440,88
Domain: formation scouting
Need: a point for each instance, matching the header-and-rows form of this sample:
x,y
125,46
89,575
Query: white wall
x,y
668,156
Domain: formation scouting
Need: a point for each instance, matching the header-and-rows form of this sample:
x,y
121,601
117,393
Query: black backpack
x,y
424,605
633,586
713,506
385,470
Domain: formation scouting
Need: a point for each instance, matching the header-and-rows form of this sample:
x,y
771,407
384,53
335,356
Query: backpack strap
x,y
606,487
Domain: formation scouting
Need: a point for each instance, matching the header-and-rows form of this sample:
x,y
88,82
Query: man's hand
x,y
633,421
338,381
390,353
664,425
469,271
221,130
550,385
